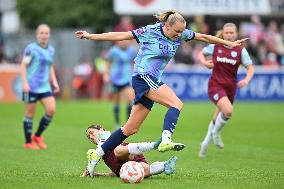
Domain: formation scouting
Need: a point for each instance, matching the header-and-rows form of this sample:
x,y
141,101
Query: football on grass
x,y
132,172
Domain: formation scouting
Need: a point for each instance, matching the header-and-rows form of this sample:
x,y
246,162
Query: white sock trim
x,y
219,123
100,152
166,136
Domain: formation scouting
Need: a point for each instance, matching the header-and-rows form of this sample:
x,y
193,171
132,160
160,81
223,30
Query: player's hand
x,y
56,88
85,174
26,87
242,83
82,34
209,64
238,42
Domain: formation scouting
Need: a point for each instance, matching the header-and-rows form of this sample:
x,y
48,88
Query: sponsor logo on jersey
x,y
226,60
234,54
216,96
168,49
140,31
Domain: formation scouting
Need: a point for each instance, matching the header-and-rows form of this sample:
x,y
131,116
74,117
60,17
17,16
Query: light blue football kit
x,y
154,53
156,49
121,60
39,60
38,69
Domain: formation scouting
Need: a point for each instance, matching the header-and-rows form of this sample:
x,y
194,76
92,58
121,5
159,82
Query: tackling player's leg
x,y
165,96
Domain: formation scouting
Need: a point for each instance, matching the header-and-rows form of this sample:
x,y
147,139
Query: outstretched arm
x,y
110,36
217,40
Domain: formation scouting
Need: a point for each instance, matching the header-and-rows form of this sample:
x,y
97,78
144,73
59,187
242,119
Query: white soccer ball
x,y
132,172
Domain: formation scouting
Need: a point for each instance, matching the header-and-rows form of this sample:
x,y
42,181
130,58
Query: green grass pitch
x,y
253,156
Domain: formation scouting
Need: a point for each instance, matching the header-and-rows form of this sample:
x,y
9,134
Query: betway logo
x,y
226,60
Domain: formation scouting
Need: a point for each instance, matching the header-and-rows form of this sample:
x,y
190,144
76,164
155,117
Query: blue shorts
x,y
117,88
141,85
31,97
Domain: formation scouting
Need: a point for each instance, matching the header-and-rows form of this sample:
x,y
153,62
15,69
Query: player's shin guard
x,y
220,122
170,122
28,124
44,122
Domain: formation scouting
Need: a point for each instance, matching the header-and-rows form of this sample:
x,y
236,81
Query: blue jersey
x,y
38,69
120,68
156,49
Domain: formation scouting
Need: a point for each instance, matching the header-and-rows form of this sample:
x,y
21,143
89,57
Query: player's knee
x,y
50,112
117,152
29,114
179,104
229,112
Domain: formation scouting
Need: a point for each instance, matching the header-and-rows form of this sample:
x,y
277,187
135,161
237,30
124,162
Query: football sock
x,y
28,125
166,136
220,122
170,122
99,151
44,122
116,113
170,119
115,139
157,168
129,107
139,148
208,136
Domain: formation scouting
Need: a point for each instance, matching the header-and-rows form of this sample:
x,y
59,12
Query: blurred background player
x,y
118,73
223,82
37,72
126,152
158,44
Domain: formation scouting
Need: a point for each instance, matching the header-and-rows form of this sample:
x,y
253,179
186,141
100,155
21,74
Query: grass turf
x,y
253,156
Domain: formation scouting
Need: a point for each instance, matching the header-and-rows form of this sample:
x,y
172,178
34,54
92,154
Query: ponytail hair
x,y
219,34
170,16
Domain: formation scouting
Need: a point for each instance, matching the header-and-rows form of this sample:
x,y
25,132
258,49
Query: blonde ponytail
x,y
170,16
219,34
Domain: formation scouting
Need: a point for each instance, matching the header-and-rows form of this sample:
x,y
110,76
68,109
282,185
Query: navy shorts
x,y
141,85
31,97
117,88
